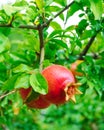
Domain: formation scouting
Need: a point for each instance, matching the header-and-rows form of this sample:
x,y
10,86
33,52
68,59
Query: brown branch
x,y
40,30
21,26
87,47
6,94
45,24
65,8
85,50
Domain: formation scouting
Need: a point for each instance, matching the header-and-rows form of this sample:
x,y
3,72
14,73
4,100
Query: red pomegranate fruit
x,y
61,84
62,87
36,102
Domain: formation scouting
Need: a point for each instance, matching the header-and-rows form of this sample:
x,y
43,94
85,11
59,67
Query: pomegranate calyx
x,y
71,90
73,99
77,84
77,91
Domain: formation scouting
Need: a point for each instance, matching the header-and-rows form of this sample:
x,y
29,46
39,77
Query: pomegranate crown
x,y
71,90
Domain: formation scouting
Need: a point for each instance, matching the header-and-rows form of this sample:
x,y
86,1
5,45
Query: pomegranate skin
x,y
58,77
38,103
25,92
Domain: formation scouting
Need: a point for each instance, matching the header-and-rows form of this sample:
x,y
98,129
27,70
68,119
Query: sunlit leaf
x,y
38,83
22,68
97,8
55,25
9,9
40,4
22,81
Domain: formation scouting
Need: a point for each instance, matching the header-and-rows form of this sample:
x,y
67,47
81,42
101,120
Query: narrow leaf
x,y
55,33
60,42
39,4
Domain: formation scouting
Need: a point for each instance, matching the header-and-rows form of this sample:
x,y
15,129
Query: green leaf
x,y
38,83
82,26
61,2
22,81
60,42
62,16
40,4
48,2
73,9
10,83
97,8
22,68
46,63
70,28
9,9
87,34
55,33
4,43
78,1
21,3
53,8
55,25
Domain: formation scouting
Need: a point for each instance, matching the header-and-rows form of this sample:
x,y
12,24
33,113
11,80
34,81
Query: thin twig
x,y
87,47
60,12
6,94
85,50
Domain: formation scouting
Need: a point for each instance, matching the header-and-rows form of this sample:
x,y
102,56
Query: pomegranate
x,y
36,102
61,84
74,66
62,87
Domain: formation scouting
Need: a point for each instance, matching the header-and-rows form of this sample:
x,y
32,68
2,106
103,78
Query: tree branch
x,y
85,50
21,26
66,7
6,94
40,30
45,24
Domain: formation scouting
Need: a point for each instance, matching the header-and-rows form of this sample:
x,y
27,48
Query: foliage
x,y
32,38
